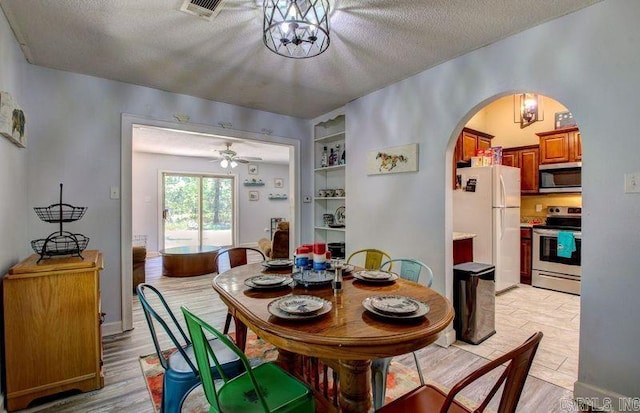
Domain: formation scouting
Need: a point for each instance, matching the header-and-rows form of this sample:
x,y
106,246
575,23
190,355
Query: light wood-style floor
x,y
125,390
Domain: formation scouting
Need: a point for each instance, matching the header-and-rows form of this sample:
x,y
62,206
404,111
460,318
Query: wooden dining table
x,y
347,338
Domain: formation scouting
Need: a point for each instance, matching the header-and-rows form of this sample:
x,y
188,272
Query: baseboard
x,y
603,400
112,328
447,338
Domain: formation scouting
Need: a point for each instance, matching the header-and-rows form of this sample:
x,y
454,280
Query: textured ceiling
x,y
373,44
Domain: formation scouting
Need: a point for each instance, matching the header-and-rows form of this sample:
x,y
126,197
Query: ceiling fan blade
x,y
240,160
250,158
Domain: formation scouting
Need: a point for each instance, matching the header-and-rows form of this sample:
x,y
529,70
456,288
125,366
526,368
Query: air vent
x,y
206,9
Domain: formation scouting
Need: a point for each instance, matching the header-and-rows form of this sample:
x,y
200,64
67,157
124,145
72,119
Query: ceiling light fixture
x,y
296,28
529,109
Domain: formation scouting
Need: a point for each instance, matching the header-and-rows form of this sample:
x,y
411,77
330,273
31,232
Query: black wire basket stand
x,y
60,242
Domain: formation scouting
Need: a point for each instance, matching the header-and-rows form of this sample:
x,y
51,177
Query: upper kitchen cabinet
x,y
469,141
527,159
561,145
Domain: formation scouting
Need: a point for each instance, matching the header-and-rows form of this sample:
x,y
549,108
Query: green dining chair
x,y
372,258
412,270
266,388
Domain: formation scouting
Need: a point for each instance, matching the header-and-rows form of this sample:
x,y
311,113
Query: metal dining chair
x,y
412,270
180,372
372,258
264,388
428,398
233,257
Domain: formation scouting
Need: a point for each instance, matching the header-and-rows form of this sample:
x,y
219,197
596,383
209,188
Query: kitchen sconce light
x,y
527,109
296,28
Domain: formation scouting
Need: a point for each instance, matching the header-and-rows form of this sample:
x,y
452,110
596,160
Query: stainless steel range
x,y
551,269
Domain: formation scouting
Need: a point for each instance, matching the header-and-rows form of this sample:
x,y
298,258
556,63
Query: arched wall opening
x,y
523,309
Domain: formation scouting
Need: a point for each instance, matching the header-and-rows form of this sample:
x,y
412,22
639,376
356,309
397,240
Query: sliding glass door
x,y
198,210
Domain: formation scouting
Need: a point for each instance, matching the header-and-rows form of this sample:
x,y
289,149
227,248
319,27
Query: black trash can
x,y
474,300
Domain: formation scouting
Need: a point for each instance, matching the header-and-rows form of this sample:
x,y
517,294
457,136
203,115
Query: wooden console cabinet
x,y
52,315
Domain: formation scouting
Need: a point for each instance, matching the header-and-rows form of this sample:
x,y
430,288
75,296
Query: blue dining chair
x,y
180,371
412,270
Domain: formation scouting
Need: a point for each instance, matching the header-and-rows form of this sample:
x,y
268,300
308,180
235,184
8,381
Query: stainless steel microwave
x,y
560,177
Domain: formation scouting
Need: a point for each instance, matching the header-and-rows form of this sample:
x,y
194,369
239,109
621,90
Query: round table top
x,y
348,332
189,249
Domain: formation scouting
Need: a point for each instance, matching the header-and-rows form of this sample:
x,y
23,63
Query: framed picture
x,y
278,182
393,160
253,169
254,195
12,120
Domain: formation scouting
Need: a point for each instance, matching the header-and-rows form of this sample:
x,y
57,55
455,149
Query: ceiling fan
x,y
229,158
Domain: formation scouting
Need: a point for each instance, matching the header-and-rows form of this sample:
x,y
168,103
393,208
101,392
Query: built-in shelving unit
x,y
329,132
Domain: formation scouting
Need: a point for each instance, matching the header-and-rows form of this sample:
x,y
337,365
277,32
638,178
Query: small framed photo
x,y
253,169
254,195
278,182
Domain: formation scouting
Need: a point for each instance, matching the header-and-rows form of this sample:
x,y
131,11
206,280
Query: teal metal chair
x,y
412,270
266,388
180,373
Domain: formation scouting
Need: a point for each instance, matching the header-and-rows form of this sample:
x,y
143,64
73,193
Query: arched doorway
x,y
552,140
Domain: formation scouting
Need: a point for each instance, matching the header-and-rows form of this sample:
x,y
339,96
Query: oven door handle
x,y
546,232
554,233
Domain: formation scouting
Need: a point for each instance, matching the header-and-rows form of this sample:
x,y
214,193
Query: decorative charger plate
x,y
360,276
340,215
394,304
278,263
267,281
422,310
274,309
312,278
301,304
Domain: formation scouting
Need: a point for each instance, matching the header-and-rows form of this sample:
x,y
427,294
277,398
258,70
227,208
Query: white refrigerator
x,y
492,212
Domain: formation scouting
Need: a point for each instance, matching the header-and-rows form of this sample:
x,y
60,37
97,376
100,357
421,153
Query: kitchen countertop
x,y
457,236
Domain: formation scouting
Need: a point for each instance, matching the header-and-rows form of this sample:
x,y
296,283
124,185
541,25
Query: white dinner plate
x,y
274,309
394,304
375,275
278,263
301,304
423,309
268,279
250,282
357,275
312,278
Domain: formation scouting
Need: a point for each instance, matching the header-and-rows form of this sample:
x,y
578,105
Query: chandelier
x,y
296,28
529,110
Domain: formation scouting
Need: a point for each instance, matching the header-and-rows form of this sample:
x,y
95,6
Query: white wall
x,y
14,245
253,216
74,138
589,61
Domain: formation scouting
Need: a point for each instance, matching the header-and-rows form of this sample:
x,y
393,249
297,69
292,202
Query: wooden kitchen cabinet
x,y
527,159
462,251
525,255
469,141
561,145
52,327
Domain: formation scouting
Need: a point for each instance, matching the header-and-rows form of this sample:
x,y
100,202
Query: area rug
x,y
400,378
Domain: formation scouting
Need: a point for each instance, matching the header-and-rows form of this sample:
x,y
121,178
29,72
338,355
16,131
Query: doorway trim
x,y
126,133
